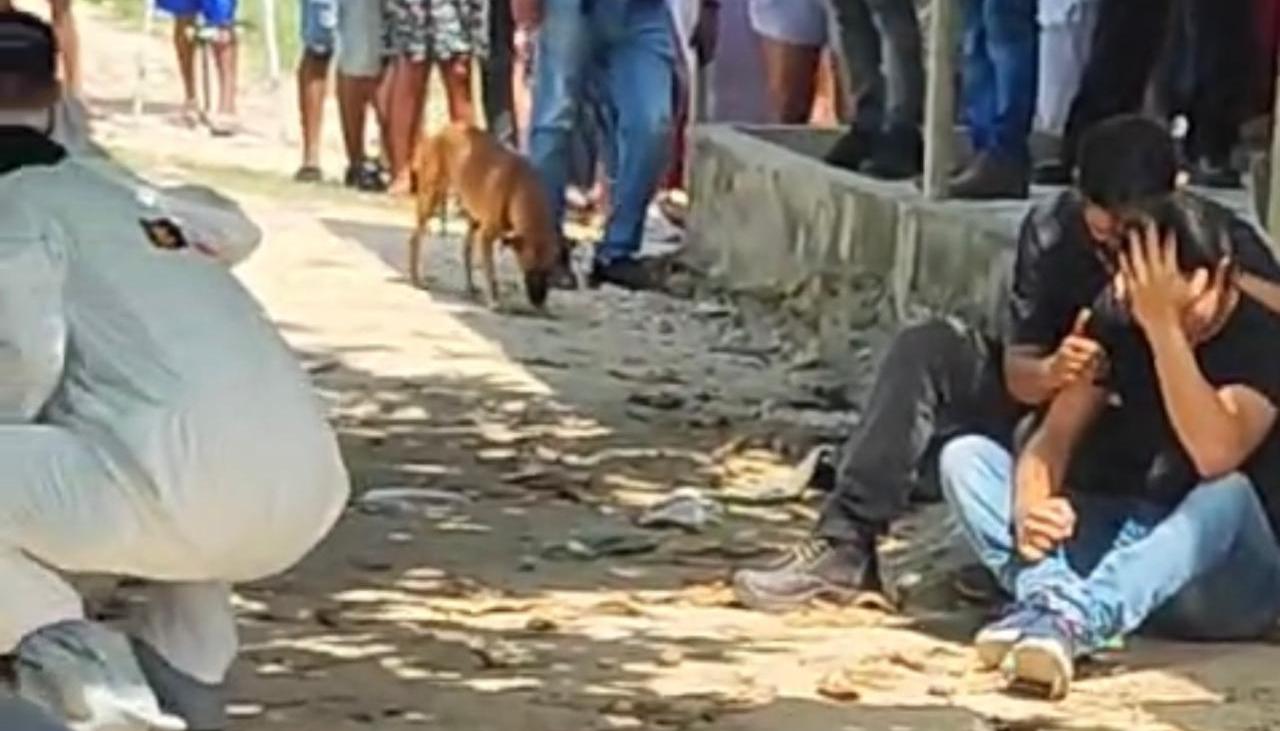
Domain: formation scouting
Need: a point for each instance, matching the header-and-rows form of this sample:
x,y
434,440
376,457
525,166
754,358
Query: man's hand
x,y
1154,286
1043,526
1079,358
706,34
527,14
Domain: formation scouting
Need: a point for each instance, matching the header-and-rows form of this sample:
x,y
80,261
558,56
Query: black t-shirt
x,y
1059,270
1133,449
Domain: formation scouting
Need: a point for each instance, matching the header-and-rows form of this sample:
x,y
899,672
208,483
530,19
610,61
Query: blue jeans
x,y
626,48
1207,569
1001,66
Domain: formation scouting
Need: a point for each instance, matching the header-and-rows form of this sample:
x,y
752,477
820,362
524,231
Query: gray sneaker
x,y
815,570
87,674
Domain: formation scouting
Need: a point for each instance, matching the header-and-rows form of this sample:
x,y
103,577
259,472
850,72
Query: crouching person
x,y
152,425
1163,523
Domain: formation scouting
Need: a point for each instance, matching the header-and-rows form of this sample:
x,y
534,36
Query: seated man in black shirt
x,y
940,379
1168,525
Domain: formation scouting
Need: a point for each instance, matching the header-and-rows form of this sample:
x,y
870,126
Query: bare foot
x,y
224,125
401,185
191,116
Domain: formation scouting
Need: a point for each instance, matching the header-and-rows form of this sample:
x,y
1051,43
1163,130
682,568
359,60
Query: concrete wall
x,y
836,250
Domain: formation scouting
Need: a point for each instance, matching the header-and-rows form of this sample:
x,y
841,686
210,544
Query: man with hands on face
x,y
1175,529
939,379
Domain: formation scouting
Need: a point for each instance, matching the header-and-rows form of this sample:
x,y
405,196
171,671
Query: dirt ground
x,y
481,605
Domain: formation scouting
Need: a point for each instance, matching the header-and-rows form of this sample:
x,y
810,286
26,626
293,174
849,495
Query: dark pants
x,y
1001,73
1214,72
937,381
881,48
495,81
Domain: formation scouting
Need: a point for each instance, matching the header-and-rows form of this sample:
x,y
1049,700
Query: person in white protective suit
x,y
153,425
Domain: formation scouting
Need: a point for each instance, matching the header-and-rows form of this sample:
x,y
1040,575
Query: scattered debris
x,y
652,376
712,310
321,366
841,686
569,486
501,654
496,455
670,658
939,690
541,624
658,399
618,454
330,617
603,541
787,487
407,501
687,509
241,711
538,361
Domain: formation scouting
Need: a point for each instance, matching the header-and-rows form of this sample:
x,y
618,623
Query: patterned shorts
x,y
436,30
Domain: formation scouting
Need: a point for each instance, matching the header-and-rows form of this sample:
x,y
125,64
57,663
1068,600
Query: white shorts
x,y
799,22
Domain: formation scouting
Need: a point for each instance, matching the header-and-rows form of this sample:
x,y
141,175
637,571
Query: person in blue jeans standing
x,y
1001,66
1175,530
626,47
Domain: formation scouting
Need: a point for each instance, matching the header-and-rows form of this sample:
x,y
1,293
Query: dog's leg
x,y
415,248
488,241
468,259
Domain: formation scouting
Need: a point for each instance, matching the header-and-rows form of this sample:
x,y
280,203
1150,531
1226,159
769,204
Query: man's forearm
x,y
1264,292
1029,378
1208,432
1036,476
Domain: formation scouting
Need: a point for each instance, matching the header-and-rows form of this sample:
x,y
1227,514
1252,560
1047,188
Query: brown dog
x,y
503,199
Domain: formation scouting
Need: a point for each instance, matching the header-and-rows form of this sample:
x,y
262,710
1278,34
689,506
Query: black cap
x,y
28,62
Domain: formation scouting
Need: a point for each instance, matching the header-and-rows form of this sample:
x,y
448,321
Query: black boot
x,y
853,149
816,570
992,177
899,155
1215,173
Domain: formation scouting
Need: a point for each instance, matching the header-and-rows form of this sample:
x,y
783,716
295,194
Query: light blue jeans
x,y
1207,569
626,48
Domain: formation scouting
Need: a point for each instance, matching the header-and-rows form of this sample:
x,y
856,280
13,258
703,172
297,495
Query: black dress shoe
x,y
629,274
899,155
992,177
853,149
1215,174
1053,173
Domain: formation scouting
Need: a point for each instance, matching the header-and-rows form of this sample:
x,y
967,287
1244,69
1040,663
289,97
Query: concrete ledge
x,y
771,220
837,251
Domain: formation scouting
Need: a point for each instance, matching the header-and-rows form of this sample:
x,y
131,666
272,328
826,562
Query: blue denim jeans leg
x,y
1001,62
625,46
1206,569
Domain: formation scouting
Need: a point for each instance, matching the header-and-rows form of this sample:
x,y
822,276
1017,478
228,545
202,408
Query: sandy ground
x,y
474,608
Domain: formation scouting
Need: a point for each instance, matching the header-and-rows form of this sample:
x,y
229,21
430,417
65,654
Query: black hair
x,y
1202,241
1127,160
